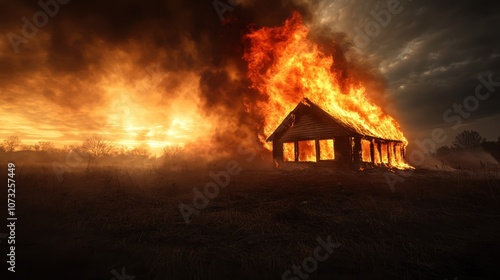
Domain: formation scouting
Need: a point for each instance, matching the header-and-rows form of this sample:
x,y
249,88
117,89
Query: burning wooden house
x,y
310,135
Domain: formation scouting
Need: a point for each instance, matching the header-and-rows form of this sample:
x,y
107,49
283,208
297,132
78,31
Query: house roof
x,y
308,107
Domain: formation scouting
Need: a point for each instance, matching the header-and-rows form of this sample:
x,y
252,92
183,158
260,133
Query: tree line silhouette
x,y
97,146
94,146
470,140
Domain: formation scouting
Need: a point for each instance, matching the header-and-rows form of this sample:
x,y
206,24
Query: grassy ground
x,y
435,225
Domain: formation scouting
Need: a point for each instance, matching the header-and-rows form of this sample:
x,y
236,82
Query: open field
x,y
435,225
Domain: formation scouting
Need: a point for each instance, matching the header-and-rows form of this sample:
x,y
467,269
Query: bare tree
x,y
468,139
173,157
443,150
11,143
171,152
69,148
46,146
26,147
140,151
97,146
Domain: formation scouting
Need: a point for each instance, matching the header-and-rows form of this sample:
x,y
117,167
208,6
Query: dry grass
x,y
436,225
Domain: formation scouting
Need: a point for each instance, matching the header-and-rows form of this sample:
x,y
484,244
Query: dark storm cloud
x,y
448,51
431,54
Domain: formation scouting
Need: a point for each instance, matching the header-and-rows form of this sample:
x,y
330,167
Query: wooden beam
x,y
356,151
316,142
389,152
379,149
296,150
372,151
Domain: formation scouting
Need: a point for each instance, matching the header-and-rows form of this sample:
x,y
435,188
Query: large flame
x,y
326,149
307,151
285,66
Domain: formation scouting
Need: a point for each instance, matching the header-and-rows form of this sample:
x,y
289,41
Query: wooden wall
x,y
308,124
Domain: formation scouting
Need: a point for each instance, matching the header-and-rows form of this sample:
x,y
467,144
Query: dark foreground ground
x,y
113,223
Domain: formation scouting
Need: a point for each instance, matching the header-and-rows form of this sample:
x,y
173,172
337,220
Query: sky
x,y
430,55
165,72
